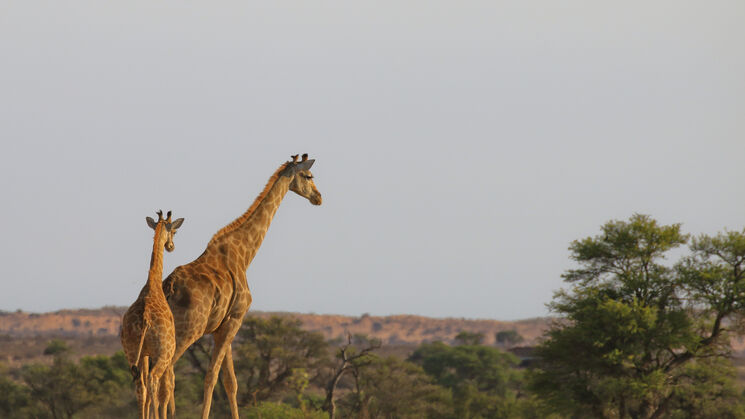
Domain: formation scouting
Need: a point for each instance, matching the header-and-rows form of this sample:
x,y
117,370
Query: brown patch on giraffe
x,y
223,249
183,299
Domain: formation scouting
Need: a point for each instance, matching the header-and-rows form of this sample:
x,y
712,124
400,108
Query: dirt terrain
x,y
397,329
23,336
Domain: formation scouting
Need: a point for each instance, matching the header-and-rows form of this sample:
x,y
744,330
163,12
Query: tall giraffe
x,y
210,295
148,336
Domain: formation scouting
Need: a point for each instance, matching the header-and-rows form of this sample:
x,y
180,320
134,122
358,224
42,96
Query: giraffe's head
x,y
169,228
302,179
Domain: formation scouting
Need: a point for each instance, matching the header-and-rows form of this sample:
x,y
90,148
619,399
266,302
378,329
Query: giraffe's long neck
x,y
242,242
155,274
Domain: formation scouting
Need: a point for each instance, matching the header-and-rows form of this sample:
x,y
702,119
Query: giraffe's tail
x,y
136,371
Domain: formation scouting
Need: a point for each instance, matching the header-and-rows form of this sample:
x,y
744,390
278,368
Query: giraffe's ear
x,y
176,224
305,165
151,222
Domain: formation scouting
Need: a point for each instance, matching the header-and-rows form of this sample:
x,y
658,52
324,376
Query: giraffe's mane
x,y
238,221
156,257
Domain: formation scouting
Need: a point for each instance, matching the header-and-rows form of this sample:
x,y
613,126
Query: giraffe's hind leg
x,y
223,338
230,382
159,367
166,392
172,391
143,401
140,393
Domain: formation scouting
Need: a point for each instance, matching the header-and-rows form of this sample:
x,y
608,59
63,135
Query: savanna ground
x,y
24,336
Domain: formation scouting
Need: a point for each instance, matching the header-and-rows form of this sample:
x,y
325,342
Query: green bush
x,y
272,410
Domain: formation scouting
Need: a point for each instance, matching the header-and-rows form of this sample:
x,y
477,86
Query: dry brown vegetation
x,y
23,336
96,331
397,329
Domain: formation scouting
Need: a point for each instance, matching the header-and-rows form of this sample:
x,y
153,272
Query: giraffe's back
x,y
153,312
160,338
200,295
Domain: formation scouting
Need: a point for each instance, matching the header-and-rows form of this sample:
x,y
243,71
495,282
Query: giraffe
x,y
148,335
210,295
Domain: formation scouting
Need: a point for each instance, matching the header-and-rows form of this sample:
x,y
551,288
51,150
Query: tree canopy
x,y
634,328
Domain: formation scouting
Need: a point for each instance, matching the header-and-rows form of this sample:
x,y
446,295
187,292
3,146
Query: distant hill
x,y
397,329
23,336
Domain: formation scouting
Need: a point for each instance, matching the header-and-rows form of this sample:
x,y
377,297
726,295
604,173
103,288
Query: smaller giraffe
x,y
148,335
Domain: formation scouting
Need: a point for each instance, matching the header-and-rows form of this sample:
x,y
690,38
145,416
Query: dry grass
x,y
398,329
23,336
89,332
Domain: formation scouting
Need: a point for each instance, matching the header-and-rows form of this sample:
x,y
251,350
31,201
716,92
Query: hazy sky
x,y
460,146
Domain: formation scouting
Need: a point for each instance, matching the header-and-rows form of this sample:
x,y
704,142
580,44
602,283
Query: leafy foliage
x,y
469,338
91,387
635,329
707,390
276,410
268,352
353,356
483,380
15,399
269,355
393,388
508,337
56,347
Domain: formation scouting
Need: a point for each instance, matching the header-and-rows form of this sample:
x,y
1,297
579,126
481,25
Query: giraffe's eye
x,y
308,176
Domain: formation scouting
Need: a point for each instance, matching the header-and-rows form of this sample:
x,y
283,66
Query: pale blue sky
x,y
460,146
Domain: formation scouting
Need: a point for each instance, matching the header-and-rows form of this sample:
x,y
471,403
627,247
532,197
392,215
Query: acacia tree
x,y
469,338
15,399
484,381
393,388
508,337
269,353
270,350
634,328
349,358
66,389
